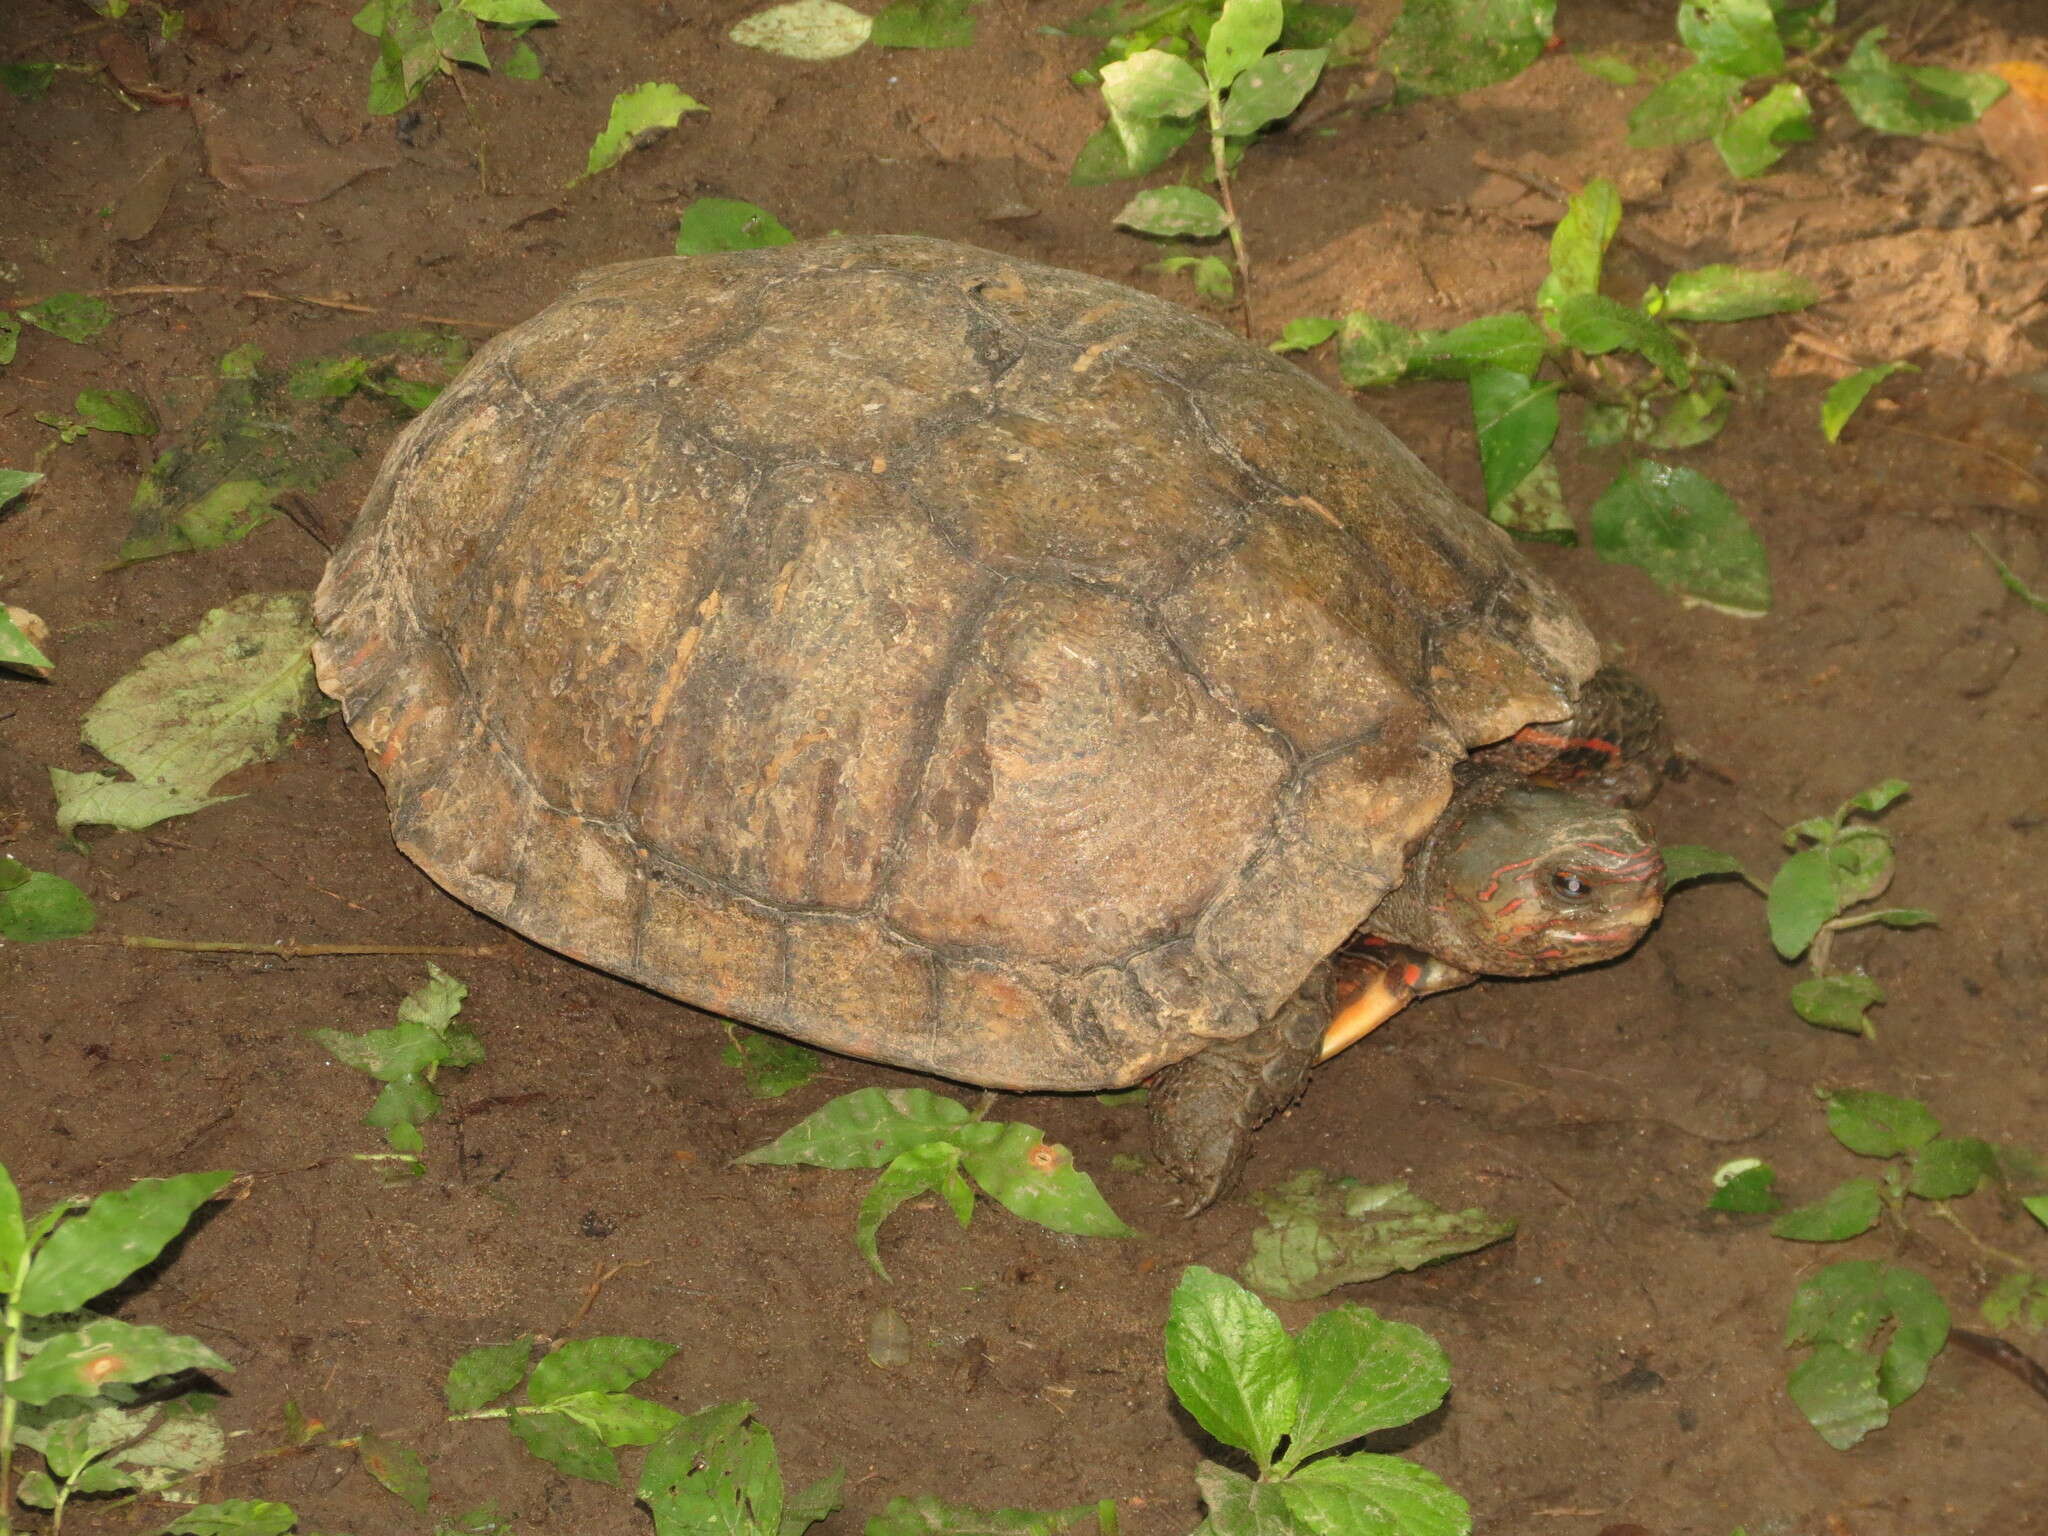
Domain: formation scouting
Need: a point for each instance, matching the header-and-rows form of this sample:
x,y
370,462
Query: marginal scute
x,y
579,889
730,948
464,819
873,990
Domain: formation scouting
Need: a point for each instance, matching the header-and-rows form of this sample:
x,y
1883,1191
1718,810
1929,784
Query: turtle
x,y
975,666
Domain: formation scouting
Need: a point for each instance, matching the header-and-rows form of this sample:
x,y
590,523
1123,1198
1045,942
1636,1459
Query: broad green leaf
x,y
389,1055
1842,1304
864,1129
1304,333
235,1517
1240,1507
925,24
1910,98
1359,1373
1271,88
771,1065
1516,420
617,1418
812,30
486,1372
13,1231
228,695
728,224
1323,1232
609,1363
1535,510
27,82
1845,395
1367,1495
1036,1179
1693,861
1749,1193
1443,47
400,1468
105,1353
637,117
1919,1332
1735,293
187,1439
1877,797
1836,1388
566,1445
1757,138
2019,1300
1174,212
120,1232
117,410
511,13
71,1434
74,316
35,906
1691,105
714,1474
457,37
1839,1001
1950,1167
1231,1363
1848,1210
1596,324
1738,37
811,1503
1878,1124
13,482
1373,352
1512,342
1120,150
1802,900
935,1165
1578,246
1860,863
927,1516
1686,534
522,63
1242,32
2036,1207
1695,417
1211,275
1153,84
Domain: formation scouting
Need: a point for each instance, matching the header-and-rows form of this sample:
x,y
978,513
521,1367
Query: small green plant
x,y
1288,1401
35,906
413,45
726,224
577,1409
638,117
104,410
1838,863
69,1378
407,1058
924,1142
771,1065
1738,45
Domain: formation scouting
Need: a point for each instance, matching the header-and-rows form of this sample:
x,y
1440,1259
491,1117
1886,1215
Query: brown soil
x,y
1617,1367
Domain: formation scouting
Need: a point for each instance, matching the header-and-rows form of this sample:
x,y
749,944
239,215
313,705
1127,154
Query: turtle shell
x,y
938,657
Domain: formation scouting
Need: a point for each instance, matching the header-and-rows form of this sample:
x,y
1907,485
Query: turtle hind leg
x,y
1205,1109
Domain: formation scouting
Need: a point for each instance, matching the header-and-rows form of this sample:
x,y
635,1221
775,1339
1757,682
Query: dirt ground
x,y
1617,1367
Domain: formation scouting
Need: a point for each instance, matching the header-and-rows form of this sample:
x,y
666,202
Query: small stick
x,y
286,949
1234,227
139,290
1957,442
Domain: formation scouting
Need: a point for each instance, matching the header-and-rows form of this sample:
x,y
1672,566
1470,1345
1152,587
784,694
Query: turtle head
x,y
1520,880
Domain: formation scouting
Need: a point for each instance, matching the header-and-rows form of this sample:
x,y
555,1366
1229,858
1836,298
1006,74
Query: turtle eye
x,y
1569,885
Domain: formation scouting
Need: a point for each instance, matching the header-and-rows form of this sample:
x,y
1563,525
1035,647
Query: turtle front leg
x,y
1205,1109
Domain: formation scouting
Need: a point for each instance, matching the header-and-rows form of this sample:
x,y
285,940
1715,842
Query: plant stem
x,y
10,1367
1233,226
1941,1209
286,949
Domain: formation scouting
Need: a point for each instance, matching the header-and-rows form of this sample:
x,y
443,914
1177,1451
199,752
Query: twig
x,y
1233,226
138,290
1957,442
601,1275
2010,577
286,949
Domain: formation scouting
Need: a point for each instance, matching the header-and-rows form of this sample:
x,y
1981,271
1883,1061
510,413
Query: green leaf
x,y
1037,1180
1693,104
1905,98
73,316
2019,1300
811,1503
35,906
1738,37
1838,1001
105,1353
638,116
228,695
117,410
28,81
617,1418
1231,1363
2036,1207
1879,1125
522,64
1596,324
235,1517
1242,32
1369,1495
1360,1373
935,1165
925,24
13,1232
1151,85
1749,1193
1802,900
16,648
1848,1210
1920,1331
1694,861
771,1065
1611,67
1695,417
486,1372
1211,275
926,1516
1578,246
1735,293
1125,148
714,1474
812,30
119,1233
567,1446
1516,420
1271,88
400,1468
1324,1232
1860,862
1950,1167
1837,1390
1685,533
1443,47
1175,213
864,1129
1240,1507
1845,395
610,1363
15,481
1760,134
1304,333
1535,509
1512,342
